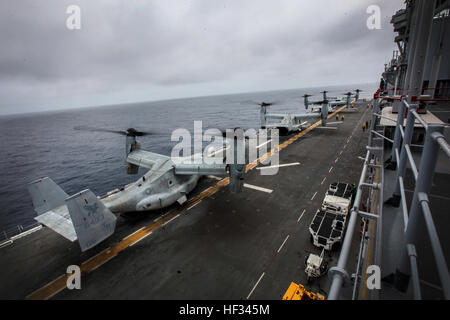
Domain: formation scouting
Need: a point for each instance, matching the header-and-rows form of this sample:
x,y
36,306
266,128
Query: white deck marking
x,y
5,243
283,244
314,195
138,240
139,229
341,152
336,160
250,186
256,285
331,128
325,178
187,209
215,177
280,165
330,169
25,233
176,216
264,143
303,212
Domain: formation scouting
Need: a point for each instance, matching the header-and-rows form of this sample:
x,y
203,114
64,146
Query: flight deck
x,y
218,245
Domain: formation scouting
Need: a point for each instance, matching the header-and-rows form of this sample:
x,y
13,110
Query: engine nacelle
x,y
131,145
306,102
263,112
324,114
236,169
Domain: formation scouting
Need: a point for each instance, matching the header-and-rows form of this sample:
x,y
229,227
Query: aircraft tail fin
x,y
46,195
92,221
81,216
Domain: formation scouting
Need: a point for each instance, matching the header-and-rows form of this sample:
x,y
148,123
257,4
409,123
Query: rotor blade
x,y
86,128
142,134
129,131
261,104
269,103
136,133
249,102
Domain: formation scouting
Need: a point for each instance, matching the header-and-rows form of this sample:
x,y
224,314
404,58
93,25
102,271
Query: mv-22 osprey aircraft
x,y
332,101
290,122
92,219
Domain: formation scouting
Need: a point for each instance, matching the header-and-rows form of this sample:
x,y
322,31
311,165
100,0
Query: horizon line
x,y
172,99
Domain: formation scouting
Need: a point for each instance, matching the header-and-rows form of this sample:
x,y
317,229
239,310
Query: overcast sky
x,y
136,50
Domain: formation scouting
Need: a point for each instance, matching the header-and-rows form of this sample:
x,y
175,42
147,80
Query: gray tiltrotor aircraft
x,y
332,101
92,219
293,122
290,121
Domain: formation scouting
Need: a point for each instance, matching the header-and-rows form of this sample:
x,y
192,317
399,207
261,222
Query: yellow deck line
x,y
59,284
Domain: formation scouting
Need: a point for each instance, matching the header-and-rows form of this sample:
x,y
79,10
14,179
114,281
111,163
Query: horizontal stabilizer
x,y
46,195
59,221
93,222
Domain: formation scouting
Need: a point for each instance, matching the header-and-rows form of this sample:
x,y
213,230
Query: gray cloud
x,y
131,50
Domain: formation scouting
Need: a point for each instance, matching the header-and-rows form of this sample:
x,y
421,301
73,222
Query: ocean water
x,y
46,144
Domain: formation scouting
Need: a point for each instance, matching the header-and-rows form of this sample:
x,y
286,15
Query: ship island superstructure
x,y
404,184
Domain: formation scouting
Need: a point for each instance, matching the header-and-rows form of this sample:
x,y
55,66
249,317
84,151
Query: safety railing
x,y
18,231
402,157
414,98
437,93
338,274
